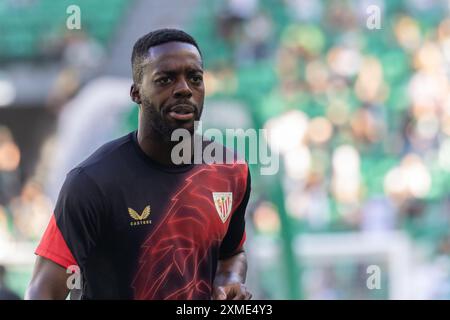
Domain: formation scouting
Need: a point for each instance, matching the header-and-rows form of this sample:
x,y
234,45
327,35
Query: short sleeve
x,y
235,237
75,227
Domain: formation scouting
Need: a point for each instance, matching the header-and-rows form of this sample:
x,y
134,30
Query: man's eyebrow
x,y
195,69
163,71
174,71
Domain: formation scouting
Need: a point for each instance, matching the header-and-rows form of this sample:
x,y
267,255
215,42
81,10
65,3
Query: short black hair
x,y
155,38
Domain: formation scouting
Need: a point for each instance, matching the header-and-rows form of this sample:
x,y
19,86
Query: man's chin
x,y
167,132
188,125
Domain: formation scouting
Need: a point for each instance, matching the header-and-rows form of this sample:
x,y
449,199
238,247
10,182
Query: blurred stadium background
x,y
362,119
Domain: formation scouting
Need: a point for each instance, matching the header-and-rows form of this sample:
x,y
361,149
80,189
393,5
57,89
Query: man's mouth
x,y
182,112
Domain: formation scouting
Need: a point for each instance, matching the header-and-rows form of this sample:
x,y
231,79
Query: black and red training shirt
x,y
140,230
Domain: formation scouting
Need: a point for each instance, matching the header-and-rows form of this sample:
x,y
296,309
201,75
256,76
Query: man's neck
x,y
156,147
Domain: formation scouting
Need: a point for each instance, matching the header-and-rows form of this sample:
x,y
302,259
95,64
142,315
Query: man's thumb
x,y
219,293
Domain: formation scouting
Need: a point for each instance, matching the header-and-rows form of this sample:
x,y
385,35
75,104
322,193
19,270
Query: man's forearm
x,y
232,270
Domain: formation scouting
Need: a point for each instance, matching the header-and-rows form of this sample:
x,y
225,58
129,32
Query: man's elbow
x,y
33,292
37,290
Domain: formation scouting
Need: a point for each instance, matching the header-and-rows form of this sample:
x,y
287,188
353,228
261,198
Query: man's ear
x,y
134,94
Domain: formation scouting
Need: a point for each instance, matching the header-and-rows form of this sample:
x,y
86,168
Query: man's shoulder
x,y
219,153
229,160
105,159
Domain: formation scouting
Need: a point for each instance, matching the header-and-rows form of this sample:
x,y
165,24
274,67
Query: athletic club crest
x,y
223,202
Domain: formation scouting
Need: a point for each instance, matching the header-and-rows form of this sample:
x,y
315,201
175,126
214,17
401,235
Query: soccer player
x,y
138,225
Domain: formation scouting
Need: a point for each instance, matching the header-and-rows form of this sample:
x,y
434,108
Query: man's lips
x,y
182,112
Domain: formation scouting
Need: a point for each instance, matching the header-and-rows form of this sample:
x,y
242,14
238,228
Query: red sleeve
x,y
54,247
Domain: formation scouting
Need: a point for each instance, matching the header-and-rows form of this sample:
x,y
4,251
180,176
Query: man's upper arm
x,y
72,233
234,239
74,229
49,281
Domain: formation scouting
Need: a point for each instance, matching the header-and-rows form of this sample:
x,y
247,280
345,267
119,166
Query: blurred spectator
x,y
5,292
378,215
254,42
82,56
9,164
82,53
304,10
31,211
4,230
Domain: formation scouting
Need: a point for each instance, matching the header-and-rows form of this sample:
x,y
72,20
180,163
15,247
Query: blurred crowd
x,y
34,36
361,116
24,207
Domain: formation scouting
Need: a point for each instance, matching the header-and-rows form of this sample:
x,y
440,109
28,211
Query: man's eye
x,y
197,79
163,81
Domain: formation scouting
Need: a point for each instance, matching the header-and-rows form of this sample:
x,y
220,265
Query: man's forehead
x,y
167,50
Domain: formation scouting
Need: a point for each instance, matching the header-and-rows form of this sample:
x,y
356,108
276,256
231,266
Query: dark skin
x,y
48,282
230,279
172,76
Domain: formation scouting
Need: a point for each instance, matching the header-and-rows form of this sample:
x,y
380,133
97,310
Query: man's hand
x,y
230,279
232,291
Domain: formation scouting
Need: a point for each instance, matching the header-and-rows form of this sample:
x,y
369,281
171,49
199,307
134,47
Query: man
x,y
138,225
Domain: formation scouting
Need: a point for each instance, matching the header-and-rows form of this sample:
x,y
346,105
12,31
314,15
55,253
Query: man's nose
x,y
182,89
